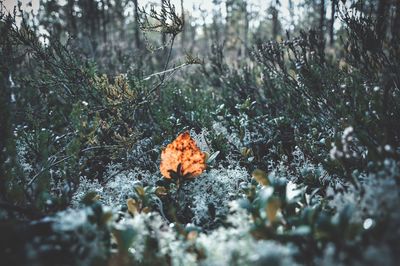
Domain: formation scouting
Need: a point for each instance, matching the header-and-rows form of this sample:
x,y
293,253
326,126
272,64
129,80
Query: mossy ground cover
x,y
301,145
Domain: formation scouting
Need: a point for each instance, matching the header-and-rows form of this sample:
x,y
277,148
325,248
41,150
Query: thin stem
x,y
170,52
165,71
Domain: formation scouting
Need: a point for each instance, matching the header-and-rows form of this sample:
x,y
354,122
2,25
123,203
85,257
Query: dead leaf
x,y
182,157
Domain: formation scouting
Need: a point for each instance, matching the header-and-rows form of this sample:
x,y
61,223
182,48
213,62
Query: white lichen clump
x,y
117,188
214,190
152,226
22,157
86,240
377,198
223,246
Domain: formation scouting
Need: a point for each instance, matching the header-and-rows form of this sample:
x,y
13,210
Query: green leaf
x,y
124,235
212,157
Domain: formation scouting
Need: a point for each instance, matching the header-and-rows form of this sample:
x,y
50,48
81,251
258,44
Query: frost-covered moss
x,y
144,155
209,195
117,188
156,242
22,157
376,197
223,246
71,237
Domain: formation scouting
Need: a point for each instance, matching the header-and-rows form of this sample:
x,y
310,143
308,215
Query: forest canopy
x,y
223,132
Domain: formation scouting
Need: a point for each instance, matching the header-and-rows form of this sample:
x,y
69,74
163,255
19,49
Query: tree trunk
x,y
216,23
183,34
119,10
396,24
274,10
71,18
228,19
274,25
7,146
89,16
138,43
205,32
331,28
246,29
291,12
4,129
163,35
193,30
104,20
381,22
322,24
